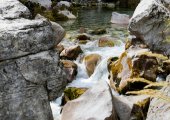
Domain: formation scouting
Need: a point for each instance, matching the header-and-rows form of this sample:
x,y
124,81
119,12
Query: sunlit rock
x,y
149,23
91,61
96,103
71,53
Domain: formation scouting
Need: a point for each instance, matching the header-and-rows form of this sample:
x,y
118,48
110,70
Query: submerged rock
x,y
149,23
106,42
91,61
71,53
118,18
96,103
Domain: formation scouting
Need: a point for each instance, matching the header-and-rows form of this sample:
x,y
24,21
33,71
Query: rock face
x,y
30,72
99,97
160,107
23,38
149,24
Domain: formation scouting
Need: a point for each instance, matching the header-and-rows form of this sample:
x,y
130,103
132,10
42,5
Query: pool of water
x,y
92,18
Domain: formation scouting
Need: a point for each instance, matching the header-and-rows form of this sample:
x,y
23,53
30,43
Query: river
x,y
92,18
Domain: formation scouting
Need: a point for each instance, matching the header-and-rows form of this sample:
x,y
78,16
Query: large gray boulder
x,y
28,84
30,72
149,24
159,108
95,104
20,36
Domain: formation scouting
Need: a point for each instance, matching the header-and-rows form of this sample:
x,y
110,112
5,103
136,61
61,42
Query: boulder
x,y
67,14
131,107
91,61
159,108
71,53
28,84
118,18
149,23
106,42
70,69
30,72
95,104
136,68
28,37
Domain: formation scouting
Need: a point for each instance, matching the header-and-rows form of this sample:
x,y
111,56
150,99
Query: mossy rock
x,y
99,31
72,93
133,84
106,42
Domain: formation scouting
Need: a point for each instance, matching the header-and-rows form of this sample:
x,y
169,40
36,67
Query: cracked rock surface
x,y
30,72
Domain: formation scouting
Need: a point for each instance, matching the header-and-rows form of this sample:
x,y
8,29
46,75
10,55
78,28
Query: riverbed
x,y
90,19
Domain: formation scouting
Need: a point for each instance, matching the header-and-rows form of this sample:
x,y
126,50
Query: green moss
x,y
72,93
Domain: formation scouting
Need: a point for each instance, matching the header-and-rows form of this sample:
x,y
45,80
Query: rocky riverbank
x,y
139,78
83,74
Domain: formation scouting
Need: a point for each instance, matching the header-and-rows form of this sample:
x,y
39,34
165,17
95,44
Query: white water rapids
x,y
100,73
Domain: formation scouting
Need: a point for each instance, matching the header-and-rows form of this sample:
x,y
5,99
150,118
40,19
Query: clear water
x,y
92,18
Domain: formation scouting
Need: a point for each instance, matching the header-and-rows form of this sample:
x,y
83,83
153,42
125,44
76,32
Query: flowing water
x,y
91,18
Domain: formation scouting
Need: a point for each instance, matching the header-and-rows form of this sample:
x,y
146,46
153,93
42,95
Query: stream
x,y
91,18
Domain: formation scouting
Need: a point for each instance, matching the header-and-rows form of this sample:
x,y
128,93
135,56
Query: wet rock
x,y
160,105
67,14
96,103
83,37
71,53
156,14
98,31
72,93
59,48
106,42
118,18
91,61
70,69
